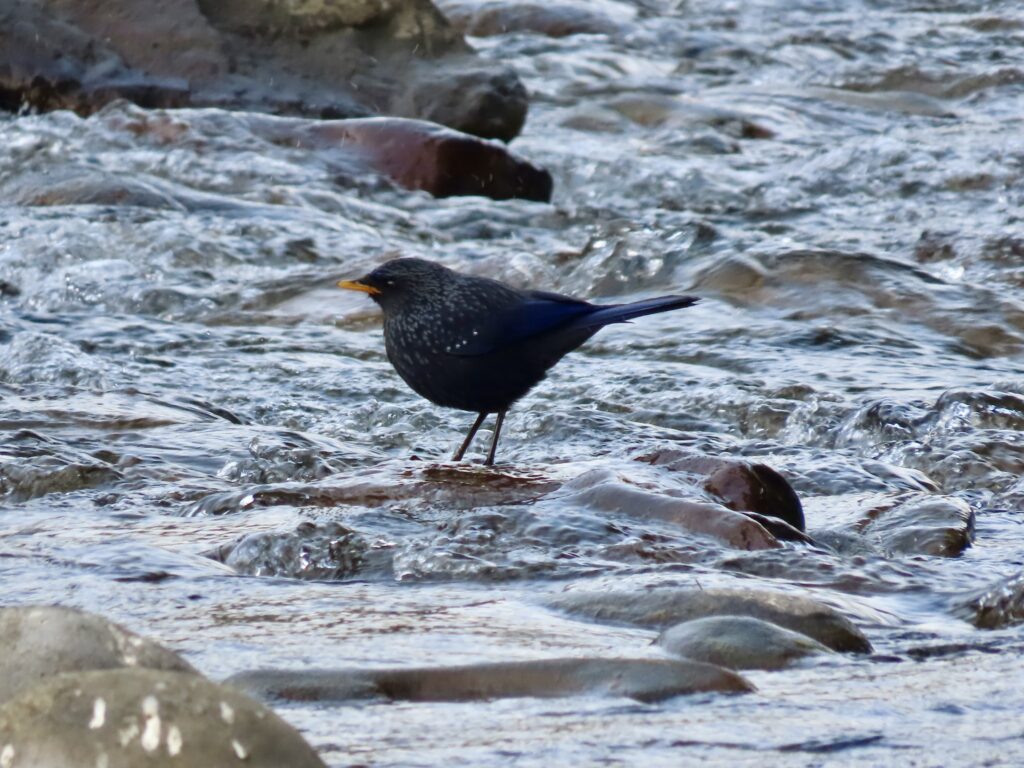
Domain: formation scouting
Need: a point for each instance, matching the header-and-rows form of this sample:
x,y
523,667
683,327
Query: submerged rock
x,y
921,524
413,154
997,606
660,609
738,642
655,110
41,641
705,518
347,58
740,485
85,186
416,155
130,717
329,551
901,523
640,679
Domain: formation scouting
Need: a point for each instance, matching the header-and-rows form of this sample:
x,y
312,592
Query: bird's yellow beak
x,y
355,285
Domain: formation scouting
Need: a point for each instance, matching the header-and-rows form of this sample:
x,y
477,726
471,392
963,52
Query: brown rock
x,y
169,39
424,156
346,58
741,486
997,606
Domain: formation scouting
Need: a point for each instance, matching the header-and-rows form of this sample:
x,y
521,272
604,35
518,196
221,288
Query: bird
x,y
477,344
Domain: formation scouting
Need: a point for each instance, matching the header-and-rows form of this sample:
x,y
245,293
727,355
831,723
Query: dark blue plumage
x,y
479,345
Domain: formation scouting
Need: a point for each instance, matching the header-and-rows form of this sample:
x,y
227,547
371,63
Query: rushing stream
x,y
201,438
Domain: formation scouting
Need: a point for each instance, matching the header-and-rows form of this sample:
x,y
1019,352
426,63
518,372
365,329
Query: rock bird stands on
x,y
479,345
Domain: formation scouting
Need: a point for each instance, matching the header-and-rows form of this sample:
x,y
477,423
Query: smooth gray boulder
x,y
40,641
126,718
738,642
640,679
661,609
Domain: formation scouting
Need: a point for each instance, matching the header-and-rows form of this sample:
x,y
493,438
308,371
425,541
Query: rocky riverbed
x,y
782,526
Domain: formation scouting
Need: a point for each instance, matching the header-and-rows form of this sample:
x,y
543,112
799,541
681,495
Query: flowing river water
x,y
202,439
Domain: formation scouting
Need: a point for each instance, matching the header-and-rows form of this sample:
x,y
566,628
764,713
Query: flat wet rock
x,y
641,679
738,642
130,717
661,609
458,487
40,642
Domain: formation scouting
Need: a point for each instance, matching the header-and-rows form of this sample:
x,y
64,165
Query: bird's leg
x,y
494,440
469,438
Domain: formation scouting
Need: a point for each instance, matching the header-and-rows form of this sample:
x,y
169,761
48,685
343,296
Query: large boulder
x,y
125,718
331,58
41,641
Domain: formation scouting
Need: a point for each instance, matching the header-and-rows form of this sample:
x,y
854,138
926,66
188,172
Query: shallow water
x,y
202,439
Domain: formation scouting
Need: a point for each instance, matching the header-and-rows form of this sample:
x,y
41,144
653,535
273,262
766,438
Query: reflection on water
x,y
203,440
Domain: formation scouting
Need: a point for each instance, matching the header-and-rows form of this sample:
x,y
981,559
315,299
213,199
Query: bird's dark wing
x,y
538,313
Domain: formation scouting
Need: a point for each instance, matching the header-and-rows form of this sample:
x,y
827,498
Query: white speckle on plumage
x,y
99,714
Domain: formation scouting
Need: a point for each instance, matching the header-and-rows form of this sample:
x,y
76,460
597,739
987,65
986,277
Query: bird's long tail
x,y
622,313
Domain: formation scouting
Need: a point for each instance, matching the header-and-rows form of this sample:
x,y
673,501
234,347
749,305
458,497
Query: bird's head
x,y
393,283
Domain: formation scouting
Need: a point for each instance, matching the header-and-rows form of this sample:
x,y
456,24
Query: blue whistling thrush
x,y
479,345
